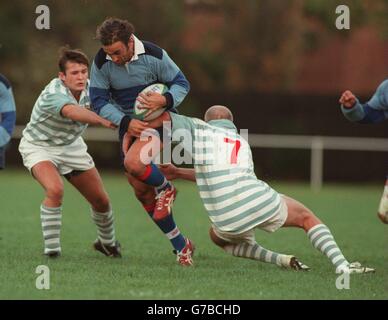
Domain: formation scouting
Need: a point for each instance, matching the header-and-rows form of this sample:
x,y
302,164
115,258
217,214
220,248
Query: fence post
x,y
316,166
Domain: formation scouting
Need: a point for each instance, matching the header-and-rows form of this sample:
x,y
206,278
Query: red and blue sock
x,y
154,177
168,227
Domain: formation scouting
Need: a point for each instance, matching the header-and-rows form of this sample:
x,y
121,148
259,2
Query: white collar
x,y
138,49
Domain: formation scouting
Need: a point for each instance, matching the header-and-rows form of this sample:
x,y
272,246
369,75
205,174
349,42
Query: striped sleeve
x,y
182,122
54,102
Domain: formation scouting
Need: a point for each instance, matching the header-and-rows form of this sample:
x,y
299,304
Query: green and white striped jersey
x,y
47,127
234,198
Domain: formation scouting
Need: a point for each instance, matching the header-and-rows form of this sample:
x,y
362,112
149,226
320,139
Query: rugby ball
x,y
140,113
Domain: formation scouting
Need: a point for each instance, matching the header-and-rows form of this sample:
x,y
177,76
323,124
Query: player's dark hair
x,y
74,55
113,30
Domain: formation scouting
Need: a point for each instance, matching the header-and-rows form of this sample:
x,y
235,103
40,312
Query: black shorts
x,y
160,130
2,158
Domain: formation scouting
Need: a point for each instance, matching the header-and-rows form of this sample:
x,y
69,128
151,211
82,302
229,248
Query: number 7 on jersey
x,y
236,148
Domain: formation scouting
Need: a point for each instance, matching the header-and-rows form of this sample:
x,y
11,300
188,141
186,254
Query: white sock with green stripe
x,y
322,239
105,228
255,252
51,219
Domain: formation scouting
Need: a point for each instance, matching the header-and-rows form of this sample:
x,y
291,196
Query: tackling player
x,y
236,201
52,147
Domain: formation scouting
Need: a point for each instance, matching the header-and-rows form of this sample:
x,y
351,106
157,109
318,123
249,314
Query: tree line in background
x,y
249,45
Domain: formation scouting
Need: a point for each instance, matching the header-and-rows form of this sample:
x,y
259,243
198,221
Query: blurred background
x,y
280,65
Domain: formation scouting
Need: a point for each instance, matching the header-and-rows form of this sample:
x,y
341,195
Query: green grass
x,y
148,269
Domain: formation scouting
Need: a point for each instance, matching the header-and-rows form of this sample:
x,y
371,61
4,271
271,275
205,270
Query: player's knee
x,y
216,240
134,166
55,192
101,203
309,220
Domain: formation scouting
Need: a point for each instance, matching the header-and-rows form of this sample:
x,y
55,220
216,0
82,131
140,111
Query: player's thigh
x,y
143,151
222,239
90,185
217,240
46,173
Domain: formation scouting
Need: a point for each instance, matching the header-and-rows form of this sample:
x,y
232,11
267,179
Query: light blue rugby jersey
x,y
114,88
374,111
236,201
7,111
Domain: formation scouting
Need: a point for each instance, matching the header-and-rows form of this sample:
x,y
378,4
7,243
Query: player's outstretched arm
x,y
374,111
83,115
171,172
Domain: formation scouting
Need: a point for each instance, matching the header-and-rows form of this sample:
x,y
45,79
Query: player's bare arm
x,y
83,115
172,172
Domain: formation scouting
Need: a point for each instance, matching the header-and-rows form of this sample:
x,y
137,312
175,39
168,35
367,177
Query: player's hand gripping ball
x,y
140,113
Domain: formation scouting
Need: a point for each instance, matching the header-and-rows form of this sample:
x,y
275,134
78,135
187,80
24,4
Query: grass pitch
x,y
148,269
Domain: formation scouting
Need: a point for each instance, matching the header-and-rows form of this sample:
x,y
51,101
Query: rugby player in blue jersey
x,y
122,68
374,111
7,116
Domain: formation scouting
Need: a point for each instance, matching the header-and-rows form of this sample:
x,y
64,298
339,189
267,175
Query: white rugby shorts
x,y
66,158
270,225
